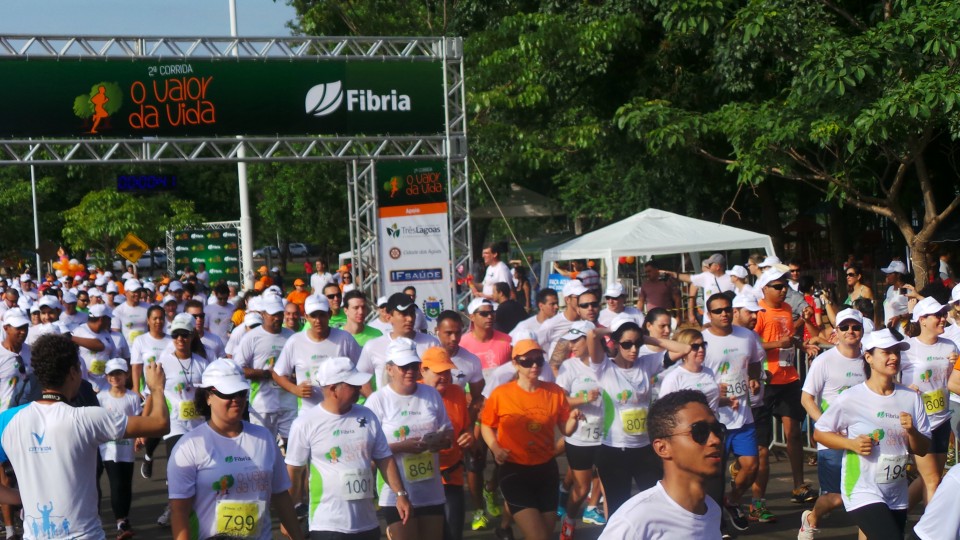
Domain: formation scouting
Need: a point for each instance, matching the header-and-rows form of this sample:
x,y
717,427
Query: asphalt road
x,y
150,496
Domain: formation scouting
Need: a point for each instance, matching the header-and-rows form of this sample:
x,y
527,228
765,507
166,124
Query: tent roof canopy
x,y
656,232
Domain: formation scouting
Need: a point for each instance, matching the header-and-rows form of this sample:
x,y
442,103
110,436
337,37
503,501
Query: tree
x,y
104,217
853,100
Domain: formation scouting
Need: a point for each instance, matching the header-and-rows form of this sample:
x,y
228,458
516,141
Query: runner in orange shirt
x,y
299,294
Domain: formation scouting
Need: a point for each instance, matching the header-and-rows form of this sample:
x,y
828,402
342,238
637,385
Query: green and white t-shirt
x,y
577,380
339,449
683,379
626,399
260,349
301,356
729,358
880,477
830,374
183,377
929,367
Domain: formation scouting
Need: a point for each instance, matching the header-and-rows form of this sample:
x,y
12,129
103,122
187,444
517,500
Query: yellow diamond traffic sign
x,y
132,248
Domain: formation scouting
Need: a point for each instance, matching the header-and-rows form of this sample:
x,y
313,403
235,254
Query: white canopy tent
x,y
654,232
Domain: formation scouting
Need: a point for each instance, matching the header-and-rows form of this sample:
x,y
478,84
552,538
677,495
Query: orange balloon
x,y
631,259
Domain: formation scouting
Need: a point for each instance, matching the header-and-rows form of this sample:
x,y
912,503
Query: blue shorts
x,y
829,463
741,441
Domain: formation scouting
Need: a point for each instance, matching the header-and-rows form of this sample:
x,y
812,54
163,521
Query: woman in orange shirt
x,y
518,423
435,366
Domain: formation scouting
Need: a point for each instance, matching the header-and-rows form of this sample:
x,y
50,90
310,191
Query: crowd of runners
x,y
331,412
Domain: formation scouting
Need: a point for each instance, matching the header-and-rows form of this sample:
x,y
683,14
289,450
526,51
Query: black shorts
x,y
372,534
530,486
391,516
940,439
763,423
581,458
475,460
784,400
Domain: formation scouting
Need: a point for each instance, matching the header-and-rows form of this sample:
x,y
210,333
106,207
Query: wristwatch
x,y
403,493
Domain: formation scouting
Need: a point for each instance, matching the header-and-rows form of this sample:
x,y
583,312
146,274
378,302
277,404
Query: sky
x,y
143,17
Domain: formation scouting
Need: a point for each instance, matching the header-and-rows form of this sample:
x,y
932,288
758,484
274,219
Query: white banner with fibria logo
x,y
414,234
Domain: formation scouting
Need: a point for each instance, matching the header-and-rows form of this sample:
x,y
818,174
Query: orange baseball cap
x,y
298,281
524,346
436,359
262,269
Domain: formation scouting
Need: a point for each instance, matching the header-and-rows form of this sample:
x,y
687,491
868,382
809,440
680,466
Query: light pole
x,y
246,222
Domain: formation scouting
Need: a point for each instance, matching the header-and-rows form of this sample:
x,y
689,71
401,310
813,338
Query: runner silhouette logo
x,y
324,99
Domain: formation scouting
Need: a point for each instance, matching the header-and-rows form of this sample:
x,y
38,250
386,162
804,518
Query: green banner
x,y
187,97
219,249
411,183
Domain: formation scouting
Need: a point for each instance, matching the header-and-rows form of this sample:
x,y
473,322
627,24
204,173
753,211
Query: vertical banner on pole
x,y
414,232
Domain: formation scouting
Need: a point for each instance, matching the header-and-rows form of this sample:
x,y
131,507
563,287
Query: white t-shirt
x,y
234,340
133,319
496,273
73,321
830,374
951,333
860,411
940,520
225,475
54,450
120,347
577,380
95,363
407,417
182,379
551,331
12,371
373,357
339,450
128,405
260,349
468,368
301,356
213,345
383,326
41,330
530,324
894,304
146,348
683,379
729,357
317,281
710,285
506,373
626,398
606,316
219,319
654,515
929,367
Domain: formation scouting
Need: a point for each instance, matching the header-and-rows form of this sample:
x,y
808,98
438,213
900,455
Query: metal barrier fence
x,y
779,440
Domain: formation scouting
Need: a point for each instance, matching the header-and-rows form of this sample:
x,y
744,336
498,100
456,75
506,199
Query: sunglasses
x,y
630,344
415,366
794,271
485,313
529,362
777,286
854,327
180,335
721,310
851,275
700,431
332,296
586,305
237,396
200,316
697,346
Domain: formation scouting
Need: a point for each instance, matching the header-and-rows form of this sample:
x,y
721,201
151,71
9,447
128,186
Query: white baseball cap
x,y
769,277
402,351
614,291
49,301
125,276
624,318
746,301
131,285
883,339
100,281
183,321
112,288
315,303
738,271
167,299
69,297
574,287
34,309
116,364
175,286
224,375
95,293
16,318
25,278
150,286
99,310
340,369
849,314
955,294
477,302
895,266
521,334
769,261
382,302
252,319
927,306
271,305
578,330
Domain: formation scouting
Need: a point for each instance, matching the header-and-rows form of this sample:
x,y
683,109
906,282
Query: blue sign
x,y
425,274
556,282
146,182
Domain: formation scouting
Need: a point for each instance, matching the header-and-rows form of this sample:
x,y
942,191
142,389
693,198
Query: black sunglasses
x,y
180,335
236,396
529,362
409,367
854,327
630,344
700,431
586,305
485,313
697,346
332,296
718,311
851,275
778,286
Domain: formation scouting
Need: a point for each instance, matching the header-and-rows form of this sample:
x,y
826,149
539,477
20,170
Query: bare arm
x,y
490,437
296,474
676,349
570,426
303,390
810,405
388,468
283,508
93,344
180,510
594,346
954,382
155,422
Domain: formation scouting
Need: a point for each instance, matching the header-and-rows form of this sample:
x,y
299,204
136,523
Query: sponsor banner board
x,y
190,97
219,249
415,232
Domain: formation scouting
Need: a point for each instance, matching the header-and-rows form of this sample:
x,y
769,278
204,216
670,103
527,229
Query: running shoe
x,y
490,501
146,468
480,520
593,516
124,531
561,512
806,532
803,494
566,529
164,519
562,503
736,516
503,534
760,513
301,510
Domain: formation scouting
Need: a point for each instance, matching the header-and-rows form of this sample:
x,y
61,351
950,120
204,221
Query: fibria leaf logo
x,y
324,99
393,231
